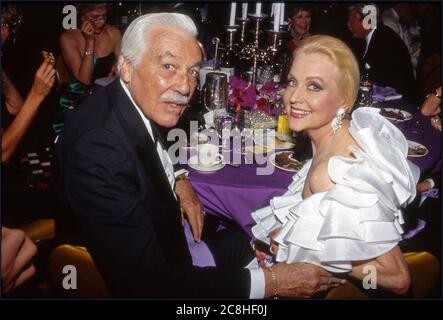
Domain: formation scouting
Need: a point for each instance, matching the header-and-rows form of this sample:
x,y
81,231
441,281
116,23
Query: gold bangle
x,y
275,282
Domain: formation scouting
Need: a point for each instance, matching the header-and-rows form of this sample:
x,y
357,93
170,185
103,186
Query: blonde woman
x,y
343,209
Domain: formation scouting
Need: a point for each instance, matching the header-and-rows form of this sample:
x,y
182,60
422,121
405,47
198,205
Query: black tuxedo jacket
x,y
128,217
390,62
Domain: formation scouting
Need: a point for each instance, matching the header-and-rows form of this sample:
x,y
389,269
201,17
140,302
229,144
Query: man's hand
x,y
191,207
17,252
299,280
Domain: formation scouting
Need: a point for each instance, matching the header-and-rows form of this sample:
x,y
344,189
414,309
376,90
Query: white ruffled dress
x,y
360,217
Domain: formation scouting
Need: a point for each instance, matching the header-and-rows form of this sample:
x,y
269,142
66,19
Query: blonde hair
x,y
342,57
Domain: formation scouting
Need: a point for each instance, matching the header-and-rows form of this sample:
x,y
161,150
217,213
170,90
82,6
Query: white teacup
x,y
208,155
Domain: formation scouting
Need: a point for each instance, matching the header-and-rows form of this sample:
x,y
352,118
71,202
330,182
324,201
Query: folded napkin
x,y
384,94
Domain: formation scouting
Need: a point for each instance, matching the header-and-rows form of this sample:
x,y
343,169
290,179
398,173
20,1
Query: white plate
x,y
406,115
193,163
269,141
290,154
412,145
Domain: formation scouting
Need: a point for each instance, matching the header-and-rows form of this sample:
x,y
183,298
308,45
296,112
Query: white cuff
x,y
431,182
181,171
257,281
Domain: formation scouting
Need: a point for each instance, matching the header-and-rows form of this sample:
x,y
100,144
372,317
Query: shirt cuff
x,y
431,182
181,171
257,281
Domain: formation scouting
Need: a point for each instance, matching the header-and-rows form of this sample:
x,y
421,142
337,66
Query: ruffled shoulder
x,y
383,145
360,217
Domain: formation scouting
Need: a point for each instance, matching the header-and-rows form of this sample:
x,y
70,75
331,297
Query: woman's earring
x,y
337,122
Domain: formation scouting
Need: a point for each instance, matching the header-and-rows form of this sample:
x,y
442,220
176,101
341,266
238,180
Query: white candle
x,y
276,16
244,12
282,13
232,16
258,9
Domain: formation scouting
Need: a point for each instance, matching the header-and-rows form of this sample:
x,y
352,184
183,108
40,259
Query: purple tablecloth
x,y
236,192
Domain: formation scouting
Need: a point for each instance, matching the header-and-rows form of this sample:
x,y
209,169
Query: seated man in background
x,y
399,17
385,52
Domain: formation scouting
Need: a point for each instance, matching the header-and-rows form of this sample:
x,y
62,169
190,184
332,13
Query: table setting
x,y
234,193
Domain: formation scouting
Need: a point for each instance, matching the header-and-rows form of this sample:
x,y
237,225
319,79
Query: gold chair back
x,y
90,283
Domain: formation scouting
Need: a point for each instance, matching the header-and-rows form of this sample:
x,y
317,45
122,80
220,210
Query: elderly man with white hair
x,y
119,182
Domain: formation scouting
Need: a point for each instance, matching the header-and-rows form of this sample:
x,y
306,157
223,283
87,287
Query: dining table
x,y
233,193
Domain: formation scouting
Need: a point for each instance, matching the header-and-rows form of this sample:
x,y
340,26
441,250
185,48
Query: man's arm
x,y
191,207
116,216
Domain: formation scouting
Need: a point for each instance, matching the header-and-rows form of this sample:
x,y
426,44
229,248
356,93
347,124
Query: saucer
x,y
416,150
394,114
273,141
286,161
193,163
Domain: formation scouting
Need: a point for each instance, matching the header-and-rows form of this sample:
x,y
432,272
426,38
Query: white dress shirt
x,y
368,40
257,275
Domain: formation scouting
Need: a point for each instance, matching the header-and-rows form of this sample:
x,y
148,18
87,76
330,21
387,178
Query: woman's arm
x,y
116,37
81,64
43,81
13,99
392,272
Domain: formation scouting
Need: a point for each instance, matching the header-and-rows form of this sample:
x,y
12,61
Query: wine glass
x,y
223,125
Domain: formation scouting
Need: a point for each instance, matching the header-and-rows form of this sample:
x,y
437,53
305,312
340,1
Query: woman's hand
x,y
43,80
423,186
432,105
88,31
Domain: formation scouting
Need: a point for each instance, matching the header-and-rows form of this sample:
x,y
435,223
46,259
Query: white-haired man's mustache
x,y
175,98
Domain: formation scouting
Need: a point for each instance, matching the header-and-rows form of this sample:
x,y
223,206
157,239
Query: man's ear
x,y
126,70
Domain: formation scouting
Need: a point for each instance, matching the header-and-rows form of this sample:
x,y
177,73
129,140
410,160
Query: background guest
x,y
300,24
423,217
431,107
399,17
21,204
385,52
88,52
17,253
